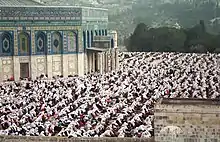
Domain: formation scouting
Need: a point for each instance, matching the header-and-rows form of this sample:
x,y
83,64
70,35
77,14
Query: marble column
x,y
93,62
113,59
116,59
106,62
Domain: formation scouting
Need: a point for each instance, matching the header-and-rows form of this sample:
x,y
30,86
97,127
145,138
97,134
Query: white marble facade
x,y
52,65
61,64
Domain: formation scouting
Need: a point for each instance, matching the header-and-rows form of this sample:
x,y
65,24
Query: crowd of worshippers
x,y
116,104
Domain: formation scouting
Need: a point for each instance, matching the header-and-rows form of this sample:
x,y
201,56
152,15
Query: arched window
x,y
72,41
88,39
41,43
103,32
57,43
96,32
24,43
106,33
92,37
100,32
112,43
84,40
6,44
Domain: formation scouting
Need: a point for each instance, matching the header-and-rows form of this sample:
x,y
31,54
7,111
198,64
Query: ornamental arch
x,y
24,43
57,43
6,44
41,43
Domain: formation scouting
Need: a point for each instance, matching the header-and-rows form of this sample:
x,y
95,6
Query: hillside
x,y
124,15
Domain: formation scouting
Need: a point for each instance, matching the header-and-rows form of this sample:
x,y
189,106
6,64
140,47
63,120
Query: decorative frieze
x,y
7,28
40,13
51,28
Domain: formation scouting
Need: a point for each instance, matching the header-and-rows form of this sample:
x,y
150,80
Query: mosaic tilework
x,y
7,28
57,43
65,48
6,46
15,43
56,28
40,42
40,13
80,37
49,42
33,42
72,41
76,43
24,42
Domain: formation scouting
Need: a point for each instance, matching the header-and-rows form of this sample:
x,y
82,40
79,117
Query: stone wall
x,y
60,139
187,120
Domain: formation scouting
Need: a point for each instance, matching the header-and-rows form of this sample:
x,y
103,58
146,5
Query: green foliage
x,y
163,13
186,13
166,39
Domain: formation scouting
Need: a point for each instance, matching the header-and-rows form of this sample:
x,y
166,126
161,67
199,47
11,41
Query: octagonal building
x,y
55,40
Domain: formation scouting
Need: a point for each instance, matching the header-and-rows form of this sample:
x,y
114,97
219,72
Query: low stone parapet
x,y
62,139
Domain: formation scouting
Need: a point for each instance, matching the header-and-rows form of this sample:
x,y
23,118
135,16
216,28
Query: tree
x,y
137,39
166,39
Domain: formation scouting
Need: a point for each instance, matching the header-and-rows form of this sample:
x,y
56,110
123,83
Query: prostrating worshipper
x,y
115,104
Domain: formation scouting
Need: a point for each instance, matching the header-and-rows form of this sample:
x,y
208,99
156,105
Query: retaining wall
x,y
61,139
187,120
